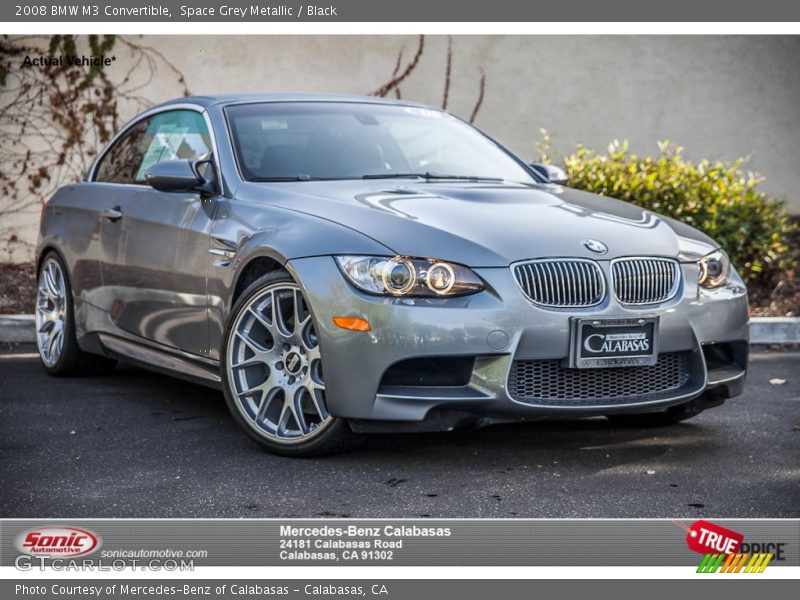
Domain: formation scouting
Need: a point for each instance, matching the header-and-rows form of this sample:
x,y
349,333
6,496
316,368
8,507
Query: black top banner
x,y
403,11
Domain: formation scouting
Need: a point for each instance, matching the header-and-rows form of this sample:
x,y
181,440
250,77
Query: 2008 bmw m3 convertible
x,y
342,265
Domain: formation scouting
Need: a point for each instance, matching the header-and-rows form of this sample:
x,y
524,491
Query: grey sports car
x,y
341,265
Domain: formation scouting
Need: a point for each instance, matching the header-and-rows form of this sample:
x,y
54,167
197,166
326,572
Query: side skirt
x,y
174,364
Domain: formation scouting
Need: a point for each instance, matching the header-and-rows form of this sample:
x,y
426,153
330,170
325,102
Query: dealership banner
x,y
714,545
406,11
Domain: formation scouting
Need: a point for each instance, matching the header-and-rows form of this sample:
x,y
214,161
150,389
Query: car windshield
x,y
299,141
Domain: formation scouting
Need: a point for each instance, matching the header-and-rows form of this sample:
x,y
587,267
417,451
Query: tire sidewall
x,y
70,343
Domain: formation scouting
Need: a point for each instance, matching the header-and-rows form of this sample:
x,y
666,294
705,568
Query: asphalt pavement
x,y
139,444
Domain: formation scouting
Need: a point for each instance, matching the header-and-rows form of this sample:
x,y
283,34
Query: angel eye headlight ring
x,y
440,278
399,276
405,276
715,269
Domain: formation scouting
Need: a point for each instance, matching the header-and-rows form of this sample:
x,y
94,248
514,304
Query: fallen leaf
x,y
777,381
651,472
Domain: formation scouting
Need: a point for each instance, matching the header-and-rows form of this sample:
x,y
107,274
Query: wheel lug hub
x,y
293,362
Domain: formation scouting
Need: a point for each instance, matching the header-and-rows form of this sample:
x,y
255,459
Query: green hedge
x,y
718,198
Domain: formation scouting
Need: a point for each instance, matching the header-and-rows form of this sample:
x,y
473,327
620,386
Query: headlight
x,y
402,276
715,269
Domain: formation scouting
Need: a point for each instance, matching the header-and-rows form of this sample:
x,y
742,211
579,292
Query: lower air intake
x,y
548,383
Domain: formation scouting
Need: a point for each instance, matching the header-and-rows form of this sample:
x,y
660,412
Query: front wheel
x,y
272,372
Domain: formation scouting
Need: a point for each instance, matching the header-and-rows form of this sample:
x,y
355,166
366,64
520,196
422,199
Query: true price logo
x,y
707,538
57,542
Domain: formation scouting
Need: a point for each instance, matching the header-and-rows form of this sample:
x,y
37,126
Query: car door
x,y
115,188
166,243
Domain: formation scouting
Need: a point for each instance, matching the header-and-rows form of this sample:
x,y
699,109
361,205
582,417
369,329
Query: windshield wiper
x,y
282,178
394,176
300,177
462,177
429,176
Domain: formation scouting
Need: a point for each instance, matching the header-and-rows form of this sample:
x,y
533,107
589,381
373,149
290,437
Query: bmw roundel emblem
x,y
595,246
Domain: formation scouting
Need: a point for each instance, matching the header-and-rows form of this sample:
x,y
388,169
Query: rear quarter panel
x,y
70,225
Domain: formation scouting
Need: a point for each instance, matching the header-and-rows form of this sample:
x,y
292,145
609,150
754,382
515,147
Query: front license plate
x,y
600,343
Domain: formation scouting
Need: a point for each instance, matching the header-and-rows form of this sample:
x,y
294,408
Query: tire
x,y
671,416
272,372
55,325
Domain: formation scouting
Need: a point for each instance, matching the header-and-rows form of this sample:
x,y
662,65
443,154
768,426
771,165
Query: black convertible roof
x,y
207,101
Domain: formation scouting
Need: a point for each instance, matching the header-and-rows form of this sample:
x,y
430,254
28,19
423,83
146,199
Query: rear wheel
x,y
272,374
55,325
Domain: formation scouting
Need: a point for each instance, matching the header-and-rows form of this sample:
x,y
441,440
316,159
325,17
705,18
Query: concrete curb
x,y
17,328
763,330
775,330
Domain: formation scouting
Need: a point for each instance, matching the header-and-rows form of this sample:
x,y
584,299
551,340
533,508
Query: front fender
x,y
247,231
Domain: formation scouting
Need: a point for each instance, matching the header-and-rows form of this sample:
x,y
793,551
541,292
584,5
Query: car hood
x,y
488,224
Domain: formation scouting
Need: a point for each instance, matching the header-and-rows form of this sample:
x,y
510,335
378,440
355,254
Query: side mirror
x,y
173,176
551,173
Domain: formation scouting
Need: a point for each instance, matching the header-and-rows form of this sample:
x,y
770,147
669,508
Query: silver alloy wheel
x,y
51,312
274,366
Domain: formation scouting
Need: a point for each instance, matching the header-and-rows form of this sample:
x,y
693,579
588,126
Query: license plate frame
x,y
624,330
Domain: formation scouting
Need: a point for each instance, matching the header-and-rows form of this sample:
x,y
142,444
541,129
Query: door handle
x,y
112,214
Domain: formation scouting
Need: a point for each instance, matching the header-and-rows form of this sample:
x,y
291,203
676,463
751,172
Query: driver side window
x,y
177,134
122,161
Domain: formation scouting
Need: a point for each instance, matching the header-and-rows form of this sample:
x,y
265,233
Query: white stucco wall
x,y
720,97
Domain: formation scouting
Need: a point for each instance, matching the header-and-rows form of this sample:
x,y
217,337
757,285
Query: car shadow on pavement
x,y
183,401
186,401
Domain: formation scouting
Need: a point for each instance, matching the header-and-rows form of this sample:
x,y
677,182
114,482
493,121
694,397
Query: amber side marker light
x,y
352,323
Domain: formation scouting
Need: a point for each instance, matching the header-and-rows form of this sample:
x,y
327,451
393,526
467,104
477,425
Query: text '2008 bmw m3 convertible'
x,y
341,265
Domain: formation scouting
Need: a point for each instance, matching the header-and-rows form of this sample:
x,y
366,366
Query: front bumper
x,y
498,328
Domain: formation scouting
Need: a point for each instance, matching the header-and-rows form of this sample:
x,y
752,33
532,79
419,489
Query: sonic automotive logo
x,y
57,542
720,547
